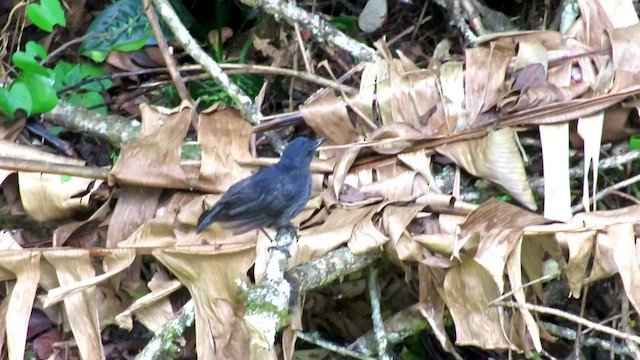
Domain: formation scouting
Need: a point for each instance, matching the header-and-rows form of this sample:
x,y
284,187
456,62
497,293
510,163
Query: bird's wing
x,y
266,194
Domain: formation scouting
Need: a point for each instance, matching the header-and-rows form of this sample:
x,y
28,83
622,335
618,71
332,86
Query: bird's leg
x,y
291,229
267,235
276,247
285,231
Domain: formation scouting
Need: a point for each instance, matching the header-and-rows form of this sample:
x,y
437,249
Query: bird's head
x,y
299,153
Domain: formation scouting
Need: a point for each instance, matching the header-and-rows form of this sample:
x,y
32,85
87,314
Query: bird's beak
x,y
319,142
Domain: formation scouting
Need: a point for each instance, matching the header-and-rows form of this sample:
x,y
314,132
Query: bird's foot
x,y
292,230
282,248
284,238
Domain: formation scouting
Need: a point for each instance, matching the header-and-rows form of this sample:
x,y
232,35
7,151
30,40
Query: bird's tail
x,y
207,218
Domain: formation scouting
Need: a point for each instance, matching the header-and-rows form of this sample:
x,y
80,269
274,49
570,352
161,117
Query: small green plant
x,y
35,88
87,95
32,89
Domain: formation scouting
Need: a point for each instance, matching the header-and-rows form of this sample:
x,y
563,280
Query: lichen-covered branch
x,y
246,105
113,128
398,327
267,304
162,345
321,29
376,315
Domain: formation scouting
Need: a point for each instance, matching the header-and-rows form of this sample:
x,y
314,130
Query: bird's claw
x,y
292,230
282,249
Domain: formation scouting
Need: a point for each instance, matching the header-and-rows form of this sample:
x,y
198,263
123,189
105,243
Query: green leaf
x,y
89,99
55,130
345,23
43,95
64,178
60,72
92,71
46,14
67,74
123,26
634,142
17,97
27,60
74,76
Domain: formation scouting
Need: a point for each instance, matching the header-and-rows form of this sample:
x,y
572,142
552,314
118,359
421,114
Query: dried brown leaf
x,y
154,159
336,230
604,264
328,117
496,158
548,39
366,236
224,136
84,233
81,307
341,169
154,309
580,246
514,270
625,255
212,277
402,134
396,188
538,96
135,206
500,227
485,70
115,262
431,304
395,220
18,303
48,197
468,290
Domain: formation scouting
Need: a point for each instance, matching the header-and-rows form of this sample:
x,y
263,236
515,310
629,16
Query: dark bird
x,y
271,197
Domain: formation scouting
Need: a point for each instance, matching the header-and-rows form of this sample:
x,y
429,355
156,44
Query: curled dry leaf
x,y
625,255
328,117
48,197
212,277
24,266
135,206
154,159
537,96
496,158
394,138
154,309
431,303
373,15
84,233
500,227
485,70
468,290
224,136
81,309
580,246
336,230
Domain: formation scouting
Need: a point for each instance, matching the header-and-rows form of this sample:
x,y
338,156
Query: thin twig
x,y
571,317
325,344
570,334
245,104
322,29
39,166
604,192
376,315
169,60
631,198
